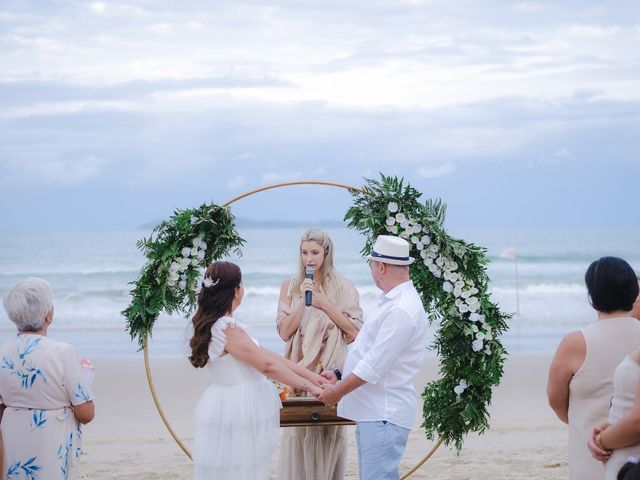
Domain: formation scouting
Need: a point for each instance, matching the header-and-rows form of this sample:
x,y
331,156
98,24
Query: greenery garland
x,y
450,276
177,252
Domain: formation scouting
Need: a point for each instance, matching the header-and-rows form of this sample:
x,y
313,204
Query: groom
x,y
376,389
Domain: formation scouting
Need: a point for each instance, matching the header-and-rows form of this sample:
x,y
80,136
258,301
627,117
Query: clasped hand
x,y
597,452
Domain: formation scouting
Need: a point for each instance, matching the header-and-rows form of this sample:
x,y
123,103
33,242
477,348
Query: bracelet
x,y
337,373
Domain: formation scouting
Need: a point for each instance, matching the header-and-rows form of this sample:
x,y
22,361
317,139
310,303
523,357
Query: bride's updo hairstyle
x,y
214,301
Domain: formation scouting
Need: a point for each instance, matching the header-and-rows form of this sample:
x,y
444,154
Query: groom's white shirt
x,y
387,354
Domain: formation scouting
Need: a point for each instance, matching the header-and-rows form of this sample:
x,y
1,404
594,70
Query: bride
x,y
238,416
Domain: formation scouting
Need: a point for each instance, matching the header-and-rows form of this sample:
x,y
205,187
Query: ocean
x,y
90,275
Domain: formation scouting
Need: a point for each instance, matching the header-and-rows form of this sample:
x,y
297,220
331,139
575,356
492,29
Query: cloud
x,y
57,172
436,171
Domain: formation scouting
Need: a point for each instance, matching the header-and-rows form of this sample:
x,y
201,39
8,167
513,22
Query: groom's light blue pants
x,y
380,448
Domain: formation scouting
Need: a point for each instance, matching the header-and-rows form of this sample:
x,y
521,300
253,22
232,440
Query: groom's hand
x,y
329,395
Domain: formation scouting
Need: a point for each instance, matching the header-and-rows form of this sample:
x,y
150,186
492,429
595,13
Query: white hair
x,y
28,303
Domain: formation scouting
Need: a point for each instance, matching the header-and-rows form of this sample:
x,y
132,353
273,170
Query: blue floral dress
x,y
40,380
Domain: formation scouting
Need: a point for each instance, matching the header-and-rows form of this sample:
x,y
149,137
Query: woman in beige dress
x,y
580,383
317,338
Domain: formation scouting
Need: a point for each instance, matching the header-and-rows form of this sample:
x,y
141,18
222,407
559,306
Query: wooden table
x,y
308,411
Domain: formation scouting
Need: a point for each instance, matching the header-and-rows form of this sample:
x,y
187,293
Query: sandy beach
x,y
129,440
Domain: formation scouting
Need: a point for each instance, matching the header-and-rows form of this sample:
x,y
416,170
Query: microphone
x,y
307,295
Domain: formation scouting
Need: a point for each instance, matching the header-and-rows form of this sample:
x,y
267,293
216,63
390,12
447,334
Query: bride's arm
x,y
288,325
242,347
296,368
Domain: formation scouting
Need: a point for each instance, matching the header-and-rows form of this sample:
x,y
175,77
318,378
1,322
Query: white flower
x,y
434,248
418,228
488,336
392,207
472,300
475,329
172,280
404,234
182,284
201,255
474,307
195,261
463,308
431,254
459,303
439,261
207,282
423,254
487,350
458,389
457,291
415,240
186,251
437,272
405,224
459,284
173,267
183,263
391,221
480,336
428,262
194,251
453,266
481,318
400,217
420,246
196,241
465,294
474,317
447,287
426,240
203,245
193,220
392,229
463,383
454,276
477,345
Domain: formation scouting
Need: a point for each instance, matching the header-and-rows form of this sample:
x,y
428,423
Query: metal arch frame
x,y
147,363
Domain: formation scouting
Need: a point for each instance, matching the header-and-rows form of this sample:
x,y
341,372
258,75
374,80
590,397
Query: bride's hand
x,y
315,390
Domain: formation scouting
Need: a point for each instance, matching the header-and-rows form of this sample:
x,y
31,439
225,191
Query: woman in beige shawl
x,y
317,338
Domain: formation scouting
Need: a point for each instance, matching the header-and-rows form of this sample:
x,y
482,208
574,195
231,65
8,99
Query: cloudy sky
x,y
517,114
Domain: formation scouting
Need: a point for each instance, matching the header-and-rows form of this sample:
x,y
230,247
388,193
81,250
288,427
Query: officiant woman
x,y
317,338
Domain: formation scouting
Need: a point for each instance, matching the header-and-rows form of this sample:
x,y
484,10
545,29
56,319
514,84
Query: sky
x,y
516,114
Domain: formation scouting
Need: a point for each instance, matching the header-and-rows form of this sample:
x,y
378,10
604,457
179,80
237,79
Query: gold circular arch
x,y
147,363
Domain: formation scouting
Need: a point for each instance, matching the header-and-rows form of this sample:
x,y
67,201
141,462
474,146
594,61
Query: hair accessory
x,y
209,282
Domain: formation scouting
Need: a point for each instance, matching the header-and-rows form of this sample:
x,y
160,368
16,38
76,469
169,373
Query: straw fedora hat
x,y
393,250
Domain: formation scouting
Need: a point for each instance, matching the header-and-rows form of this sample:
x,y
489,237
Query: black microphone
x,y
307,295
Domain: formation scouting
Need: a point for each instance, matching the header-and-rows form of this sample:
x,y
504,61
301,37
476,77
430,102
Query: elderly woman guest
x,y
580,382
317,338
43,393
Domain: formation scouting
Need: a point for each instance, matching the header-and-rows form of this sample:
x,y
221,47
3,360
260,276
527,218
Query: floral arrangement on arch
x,y
450,276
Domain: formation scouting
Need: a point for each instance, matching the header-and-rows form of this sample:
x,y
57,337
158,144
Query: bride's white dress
x,y
237,418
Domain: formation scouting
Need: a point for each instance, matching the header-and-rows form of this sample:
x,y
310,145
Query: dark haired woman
x,y
580,382
237,417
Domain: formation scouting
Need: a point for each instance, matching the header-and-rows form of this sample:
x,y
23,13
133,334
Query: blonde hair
x,y
328,275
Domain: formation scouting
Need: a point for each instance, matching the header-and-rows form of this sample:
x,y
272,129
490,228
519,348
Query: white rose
x,y
474,317
457,291
463,383
186,251
472,300
201,255
405,224
392,207
420,246
475,329
459,302
439,261
405,234
428,262
447,287
426,240
453,265
477,345
465,294
423,254
203,245
392,229
391,221
418,228
400,217
454,276
463,308
487,350
173,267
458,389
182,285
437,273
480,336
474,290
415,240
